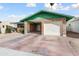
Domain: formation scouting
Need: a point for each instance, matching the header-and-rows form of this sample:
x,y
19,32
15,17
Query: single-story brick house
x,y
46,23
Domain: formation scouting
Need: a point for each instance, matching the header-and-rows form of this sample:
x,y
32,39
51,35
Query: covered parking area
x,y
47,23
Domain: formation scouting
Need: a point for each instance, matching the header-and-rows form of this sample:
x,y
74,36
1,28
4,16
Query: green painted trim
x,y
47,14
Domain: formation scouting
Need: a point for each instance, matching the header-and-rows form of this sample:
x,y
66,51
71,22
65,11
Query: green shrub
x,y
8,29
21,31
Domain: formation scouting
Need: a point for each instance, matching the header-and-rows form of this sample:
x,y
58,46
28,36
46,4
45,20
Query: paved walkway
x,y
10,52
39,44
9,36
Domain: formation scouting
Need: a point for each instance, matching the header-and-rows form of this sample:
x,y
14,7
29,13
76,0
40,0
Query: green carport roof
x,y
47,14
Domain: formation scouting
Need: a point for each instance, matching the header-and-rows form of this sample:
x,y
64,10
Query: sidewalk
x,y
9,36
10,52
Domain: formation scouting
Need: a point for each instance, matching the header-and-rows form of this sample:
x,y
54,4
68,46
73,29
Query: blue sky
x,y
21,10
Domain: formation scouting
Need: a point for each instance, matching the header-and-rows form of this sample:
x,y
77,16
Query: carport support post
x,y
64,28
25,27
42,27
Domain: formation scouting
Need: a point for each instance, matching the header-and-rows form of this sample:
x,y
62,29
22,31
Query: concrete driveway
x,y
43,45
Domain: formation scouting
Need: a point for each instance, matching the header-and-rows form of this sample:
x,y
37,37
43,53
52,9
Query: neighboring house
x,y
46,23
73,25
19,26
7,26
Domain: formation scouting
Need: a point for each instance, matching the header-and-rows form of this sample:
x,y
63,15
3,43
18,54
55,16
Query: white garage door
x,y
51,29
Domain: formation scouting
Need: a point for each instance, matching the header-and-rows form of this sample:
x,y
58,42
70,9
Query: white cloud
x,y
47,5
66,8
12,15
77,15
75,6
1,7
57,6
31,5
13,18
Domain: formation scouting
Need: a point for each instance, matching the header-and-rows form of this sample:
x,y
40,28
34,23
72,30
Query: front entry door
x,y
35,27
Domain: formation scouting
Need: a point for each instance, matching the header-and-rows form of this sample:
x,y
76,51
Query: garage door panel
x,y
51,29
